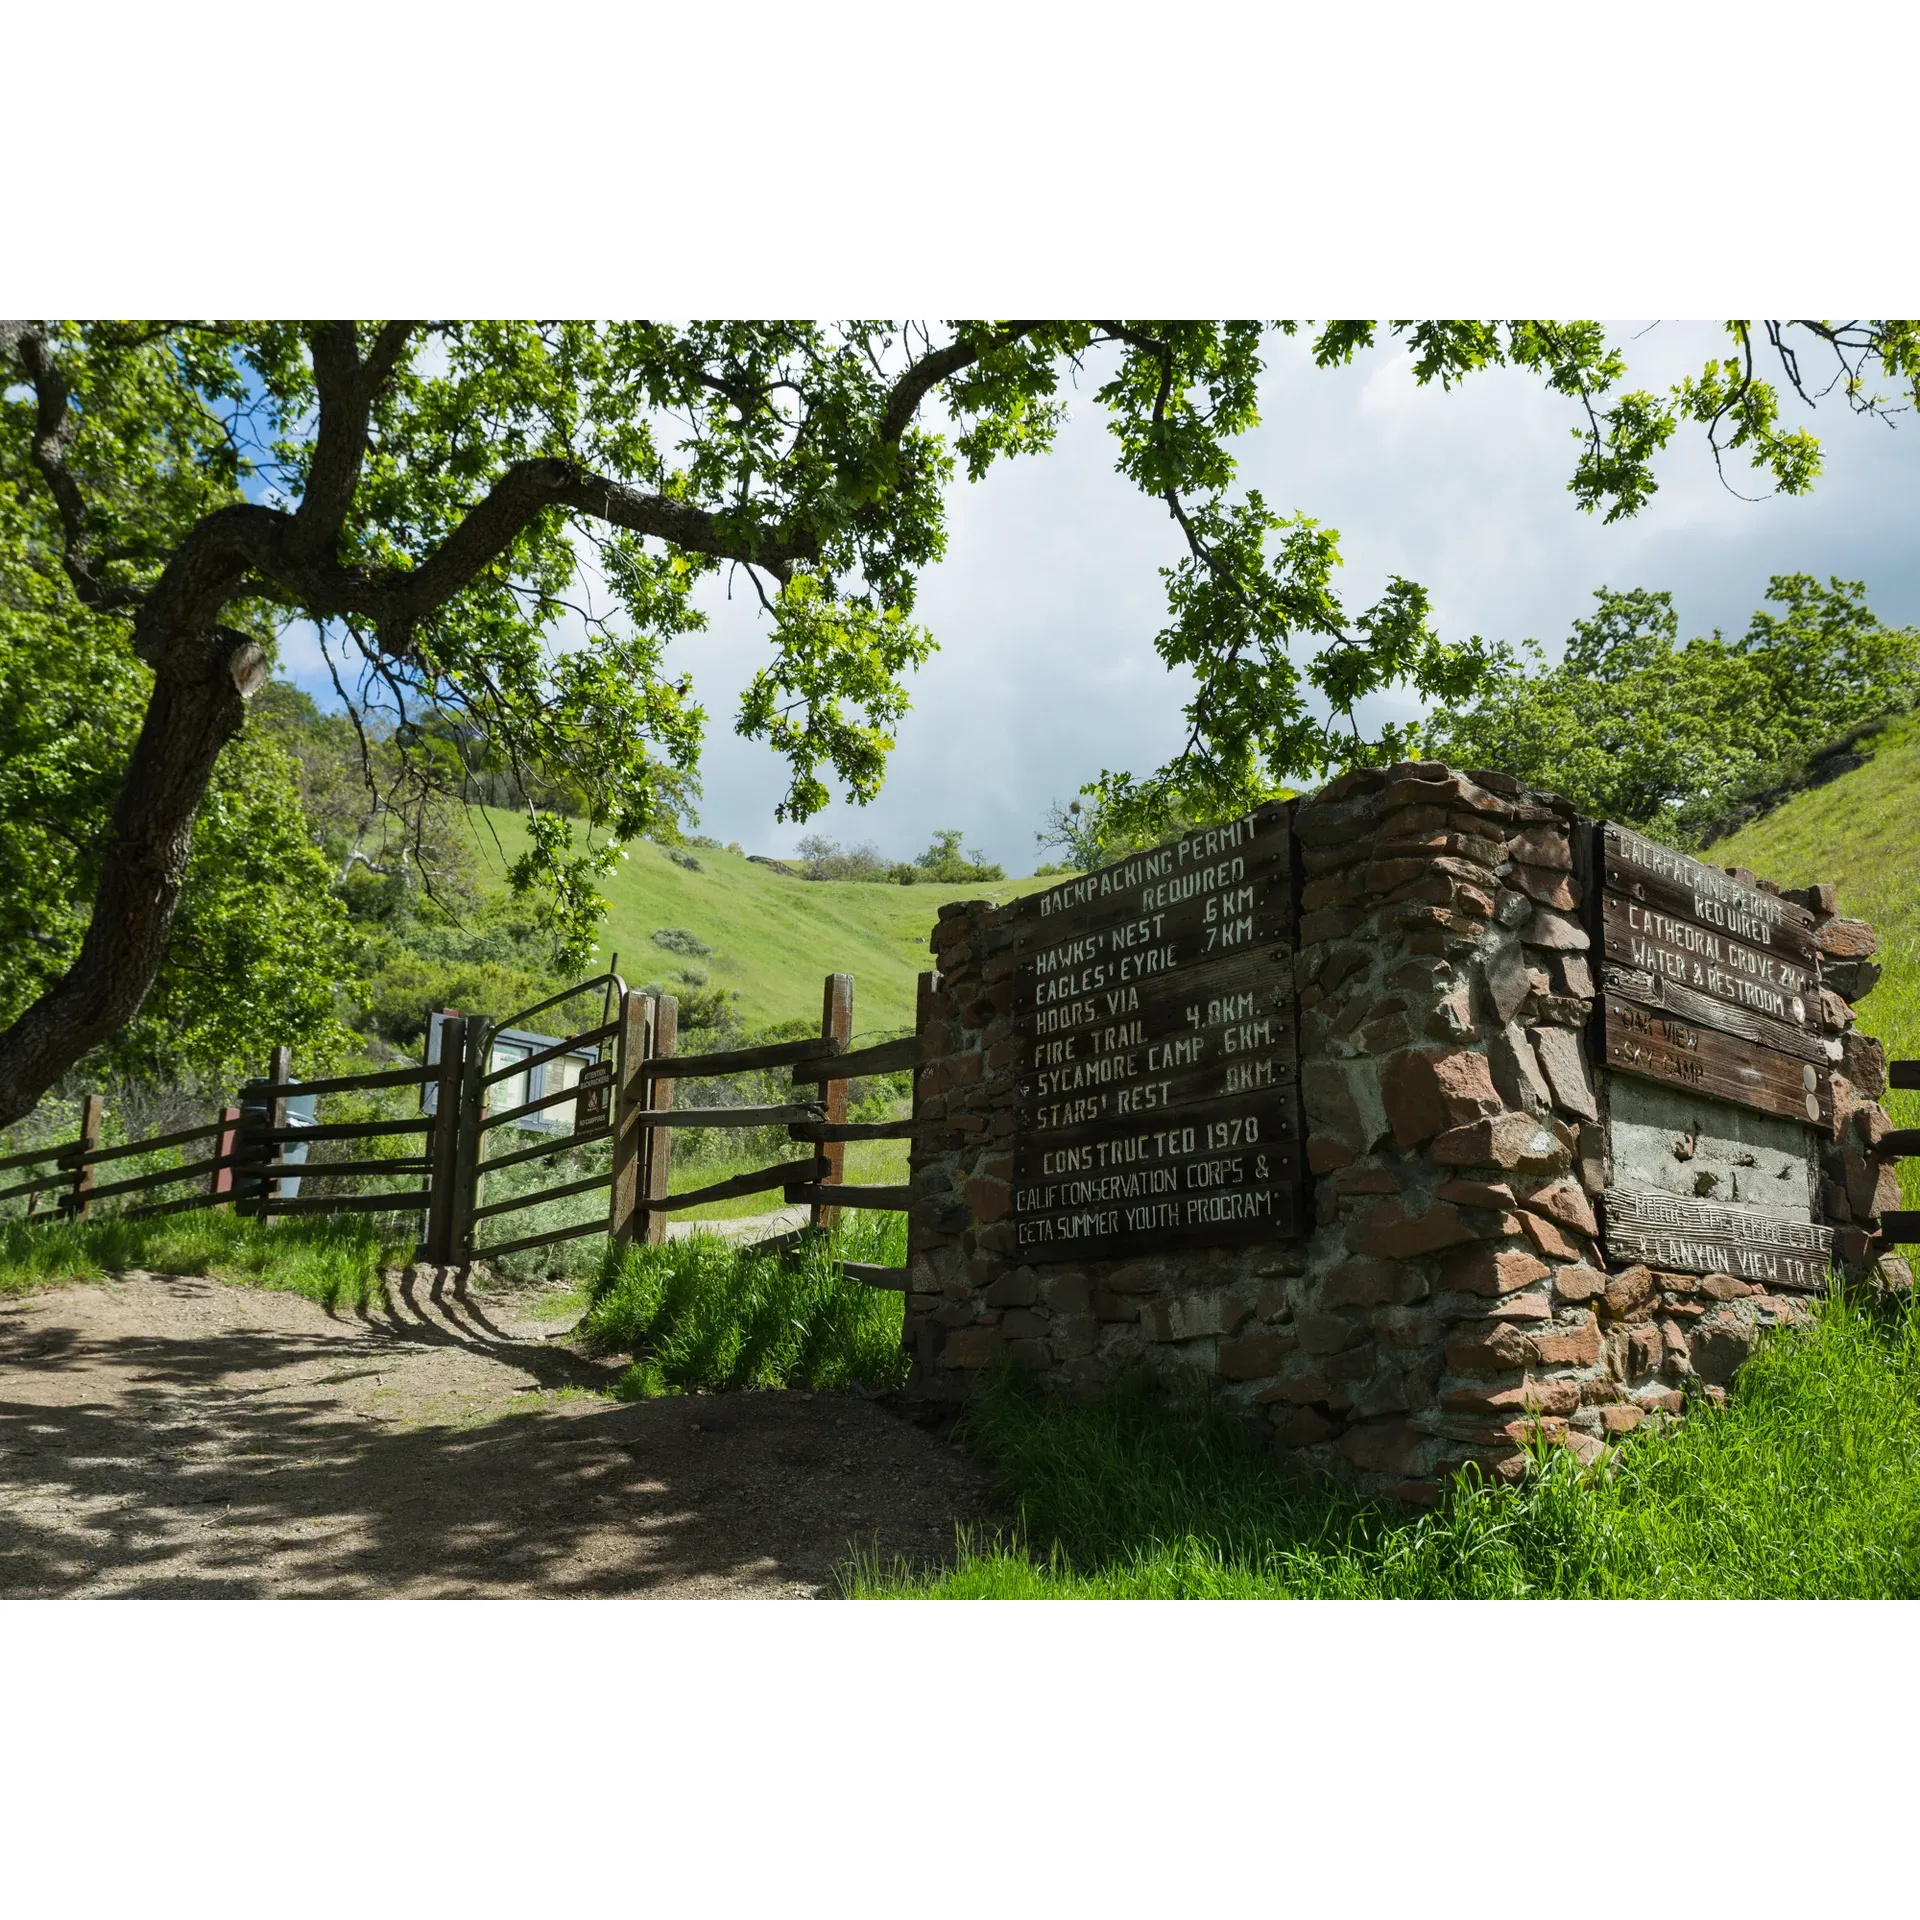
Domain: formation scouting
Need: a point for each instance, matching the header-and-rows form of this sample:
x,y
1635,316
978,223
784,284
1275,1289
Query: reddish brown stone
x,y
1622,1419
1549,886
1020,1288
1323,1333
1723,1286
1628,1290
1575,1346
1074,1336
1536,1396
1565,1202
1425,1090
1022,1323
1304,1427
1063,1290
1365,1180
1847,939
1541,846
1476,1193
1496,1349
1643,1348
1389,1446
957,1070
1253,1356
1866,1064
1505,1140
1576,1285
1489,1270
1518,1306
989,1199
1387,1228
1325,1153
1549,1239
1404,1326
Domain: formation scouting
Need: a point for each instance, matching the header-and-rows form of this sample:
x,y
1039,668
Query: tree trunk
x,y
188,721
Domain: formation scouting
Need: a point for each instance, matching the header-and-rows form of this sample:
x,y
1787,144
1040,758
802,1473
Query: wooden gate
x,y
600,1097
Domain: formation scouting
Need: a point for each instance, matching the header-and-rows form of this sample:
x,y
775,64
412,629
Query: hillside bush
x,y
1632,726
682,940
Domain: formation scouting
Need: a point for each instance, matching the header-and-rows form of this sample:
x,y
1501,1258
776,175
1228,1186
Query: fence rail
x,y
624,1095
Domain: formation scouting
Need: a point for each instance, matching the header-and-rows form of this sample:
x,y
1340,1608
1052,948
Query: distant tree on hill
x,y
824,859
1632,725
943,861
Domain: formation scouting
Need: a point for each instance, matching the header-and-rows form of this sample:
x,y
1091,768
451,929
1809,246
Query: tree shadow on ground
x,y
248,1462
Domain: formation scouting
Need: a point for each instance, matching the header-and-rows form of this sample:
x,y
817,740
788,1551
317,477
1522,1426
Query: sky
x,y
1049,596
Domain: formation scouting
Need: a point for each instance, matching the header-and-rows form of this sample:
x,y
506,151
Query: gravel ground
x,y
185,1438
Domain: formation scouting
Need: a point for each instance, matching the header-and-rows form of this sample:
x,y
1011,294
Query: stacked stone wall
x,y
1449,1300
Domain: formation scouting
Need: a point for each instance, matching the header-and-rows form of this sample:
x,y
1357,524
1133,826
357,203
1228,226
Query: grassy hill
x,y
1863,833
774,937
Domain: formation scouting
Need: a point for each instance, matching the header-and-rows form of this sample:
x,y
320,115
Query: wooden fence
x,y
622,1093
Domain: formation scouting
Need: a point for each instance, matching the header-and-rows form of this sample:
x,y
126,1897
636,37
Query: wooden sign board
x,y
1215,1175
1654,876
1695,1236
1714,965
1712,990
1202,1033
1661,1046
1158,1102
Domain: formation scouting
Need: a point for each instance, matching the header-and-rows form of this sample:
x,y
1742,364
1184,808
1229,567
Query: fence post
x,y
625,1216
922,1020
470,1136
658,1094
279,1073
836,1024
92,1108
443,1143
226,1144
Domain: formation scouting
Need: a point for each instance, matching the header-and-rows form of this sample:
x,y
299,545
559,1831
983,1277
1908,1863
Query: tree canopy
x,y
1633,726
497,528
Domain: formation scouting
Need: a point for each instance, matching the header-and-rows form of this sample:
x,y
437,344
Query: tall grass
x,y
1806,1485
703,1312
338,1263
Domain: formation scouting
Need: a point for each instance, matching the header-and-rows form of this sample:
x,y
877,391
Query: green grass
x,y
1806,1485
1862,832
700,1312
775,938
338,1263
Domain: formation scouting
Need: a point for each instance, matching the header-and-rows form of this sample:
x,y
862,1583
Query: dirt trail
x,y
181,1437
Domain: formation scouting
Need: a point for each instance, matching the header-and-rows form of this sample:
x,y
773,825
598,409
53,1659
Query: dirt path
x,y
180,1437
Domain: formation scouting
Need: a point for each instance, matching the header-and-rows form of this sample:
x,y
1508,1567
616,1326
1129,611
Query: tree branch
x,y
927,372
348,387
53,429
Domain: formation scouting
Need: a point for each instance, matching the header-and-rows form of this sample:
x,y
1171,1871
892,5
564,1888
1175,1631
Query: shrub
x,y
703,1312
682,940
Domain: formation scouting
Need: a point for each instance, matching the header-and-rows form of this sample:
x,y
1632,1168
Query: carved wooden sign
x,y
1711,988
1711,984
1694,1236
1662,1047
1158,1106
